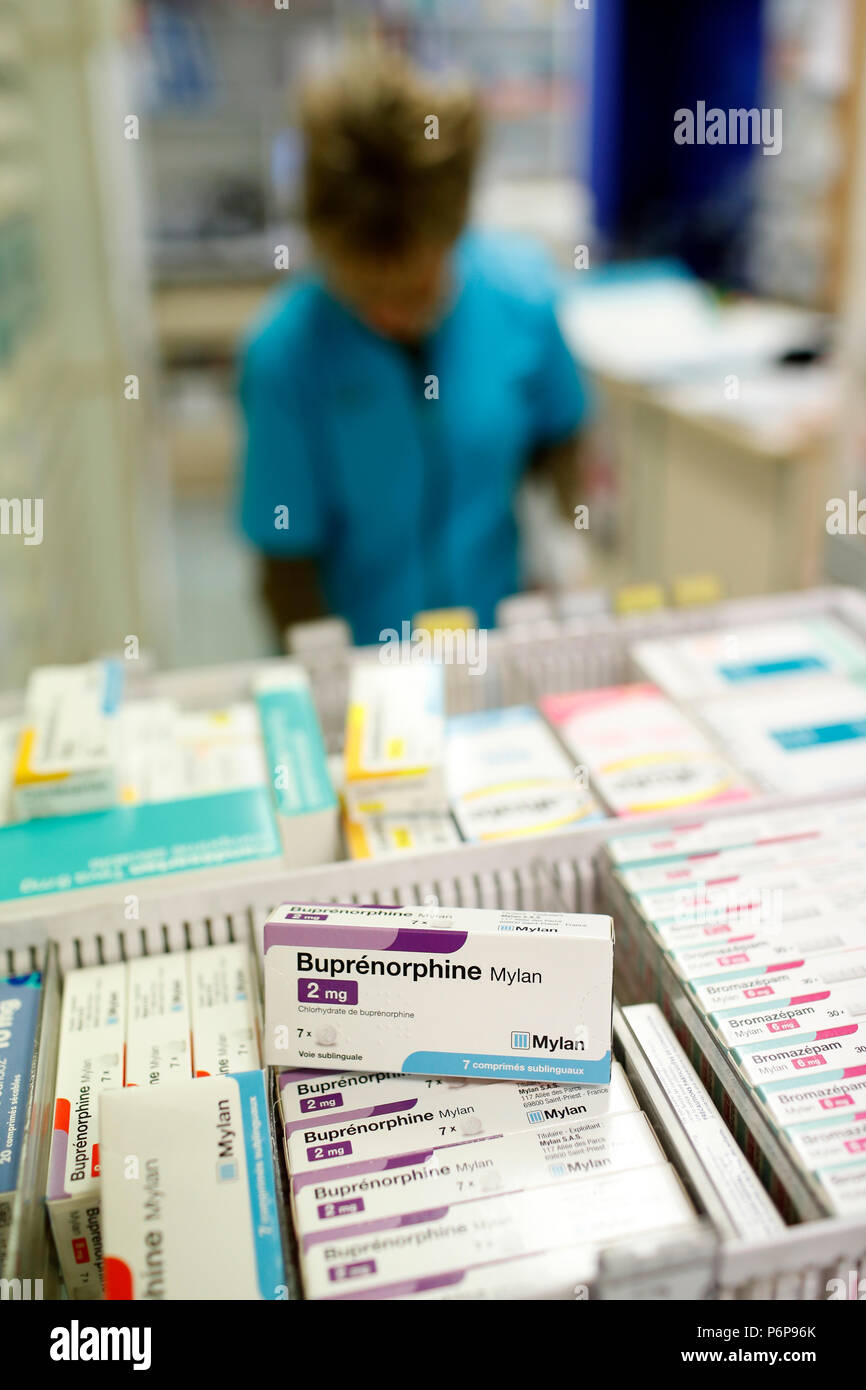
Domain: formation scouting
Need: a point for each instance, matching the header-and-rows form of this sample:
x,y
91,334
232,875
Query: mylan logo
x,y
520,1042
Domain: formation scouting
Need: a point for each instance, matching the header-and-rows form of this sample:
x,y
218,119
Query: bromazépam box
x,y
519,996
816,1008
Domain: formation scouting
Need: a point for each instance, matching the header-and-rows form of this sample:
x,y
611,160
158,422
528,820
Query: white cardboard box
x,y
90,1062
508,775
456,1170
68,753
222,1009
522,996
197,1216
395,739
157,1028
386,1255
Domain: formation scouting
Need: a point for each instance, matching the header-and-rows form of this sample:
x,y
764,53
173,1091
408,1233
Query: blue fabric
x,y
406,502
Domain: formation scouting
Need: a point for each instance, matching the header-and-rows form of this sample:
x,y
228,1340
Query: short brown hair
x,y
376,181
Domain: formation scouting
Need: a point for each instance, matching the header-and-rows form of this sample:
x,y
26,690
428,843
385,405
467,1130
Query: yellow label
x,y
354,733
355,771
541,827
639,598
693,589
671,803
24,772
446,620
356,840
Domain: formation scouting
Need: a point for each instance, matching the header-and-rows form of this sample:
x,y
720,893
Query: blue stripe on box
x,y
811,737
513,1067
754,670
260,1180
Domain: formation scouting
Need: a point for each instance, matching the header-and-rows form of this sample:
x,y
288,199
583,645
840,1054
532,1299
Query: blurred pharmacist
x,y
395,398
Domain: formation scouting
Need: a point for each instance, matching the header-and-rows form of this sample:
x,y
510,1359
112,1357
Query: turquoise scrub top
x,y
397,470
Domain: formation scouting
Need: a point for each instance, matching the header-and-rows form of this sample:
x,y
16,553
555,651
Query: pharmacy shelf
x,y
515,875
526,661
546,872
523,663
558,871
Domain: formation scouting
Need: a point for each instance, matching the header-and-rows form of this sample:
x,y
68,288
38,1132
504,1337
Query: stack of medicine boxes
x,y
762,917
405,1183
155,1021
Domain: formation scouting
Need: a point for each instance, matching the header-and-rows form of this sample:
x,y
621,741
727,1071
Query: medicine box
x,y
9,737
20,999
845,1190
377,836
225,1036
194,1215
814,1009
68,754
395,739
768,984
833,1051
833,1146
508,775
89,1063
158,1022
813,740
453,1171
399,1114
642,753
384,1254
297,767
774,946
761,656
672,842
477,993
816,1099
